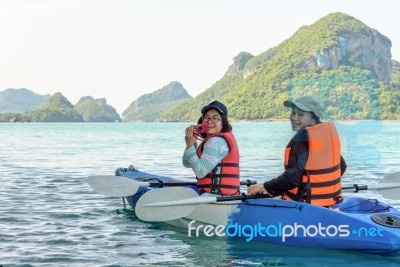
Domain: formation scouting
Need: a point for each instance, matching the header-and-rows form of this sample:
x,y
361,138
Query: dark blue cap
x,y
215,105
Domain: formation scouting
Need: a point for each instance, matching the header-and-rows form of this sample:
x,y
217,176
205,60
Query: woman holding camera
x,y
215,161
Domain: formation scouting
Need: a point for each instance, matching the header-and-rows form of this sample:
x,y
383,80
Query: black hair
x,y
315,117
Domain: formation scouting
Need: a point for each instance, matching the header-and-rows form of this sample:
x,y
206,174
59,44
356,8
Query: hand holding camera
x,y
199,129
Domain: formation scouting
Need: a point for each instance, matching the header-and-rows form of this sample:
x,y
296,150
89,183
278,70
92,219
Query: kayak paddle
x,y
177,202
174,203
388,187
120,186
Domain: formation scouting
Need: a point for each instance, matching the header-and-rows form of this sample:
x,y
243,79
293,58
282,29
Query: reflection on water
x,y
49,216
221,251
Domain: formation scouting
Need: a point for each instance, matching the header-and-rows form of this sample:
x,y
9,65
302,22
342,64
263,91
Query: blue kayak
x,y
358,224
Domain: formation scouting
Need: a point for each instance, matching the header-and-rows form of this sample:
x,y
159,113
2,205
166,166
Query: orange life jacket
x,y
321,183
227,182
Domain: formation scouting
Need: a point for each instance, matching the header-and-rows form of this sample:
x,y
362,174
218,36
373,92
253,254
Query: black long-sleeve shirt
x,y
292,176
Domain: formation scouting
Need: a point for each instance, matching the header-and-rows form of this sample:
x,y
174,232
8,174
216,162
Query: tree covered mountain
x,y
151,107
20,100
96,110
57,109
346,64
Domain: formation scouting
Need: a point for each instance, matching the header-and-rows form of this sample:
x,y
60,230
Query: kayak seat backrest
x,y
141,176
362,205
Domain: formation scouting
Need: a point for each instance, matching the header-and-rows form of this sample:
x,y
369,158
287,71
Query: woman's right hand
x,y
189,137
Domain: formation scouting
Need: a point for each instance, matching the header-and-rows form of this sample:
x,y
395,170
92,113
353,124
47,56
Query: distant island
x,y
342,61
57,108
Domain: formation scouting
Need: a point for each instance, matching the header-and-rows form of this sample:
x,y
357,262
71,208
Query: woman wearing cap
x,y
215,161
313,163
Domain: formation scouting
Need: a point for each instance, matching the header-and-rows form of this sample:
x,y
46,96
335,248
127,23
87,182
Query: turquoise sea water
x,y
49,216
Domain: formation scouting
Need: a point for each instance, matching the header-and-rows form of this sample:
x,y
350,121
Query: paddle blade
x,y
114,186
393,192
146,212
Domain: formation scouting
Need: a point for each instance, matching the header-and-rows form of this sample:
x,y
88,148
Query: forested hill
x,y
21,100
151,107
341,60
96,110
59,109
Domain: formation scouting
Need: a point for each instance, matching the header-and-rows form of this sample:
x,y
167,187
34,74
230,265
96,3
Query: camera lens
x,y
200,128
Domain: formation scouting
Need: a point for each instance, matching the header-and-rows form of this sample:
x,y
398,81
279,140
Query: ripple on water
x,y
49,216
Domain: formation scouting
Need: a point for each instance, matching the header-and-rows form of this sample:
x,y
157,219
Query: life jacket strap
x,y
216,181
308,188
324,171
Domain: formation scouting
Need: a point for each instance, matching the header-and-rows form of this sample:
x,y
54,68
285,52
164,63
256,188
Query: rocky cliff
x,y
238,63
369,50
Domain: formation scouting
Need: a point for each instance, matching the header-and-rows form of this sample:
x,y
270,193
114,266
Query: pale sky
x,y
122,49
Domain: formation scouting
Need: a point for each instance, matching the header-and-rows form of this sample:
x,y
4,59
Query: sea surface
x,y
49,216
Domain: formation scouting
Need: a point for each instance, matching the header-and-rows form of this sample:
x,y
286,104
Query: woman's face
x,y
300,118
213,120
